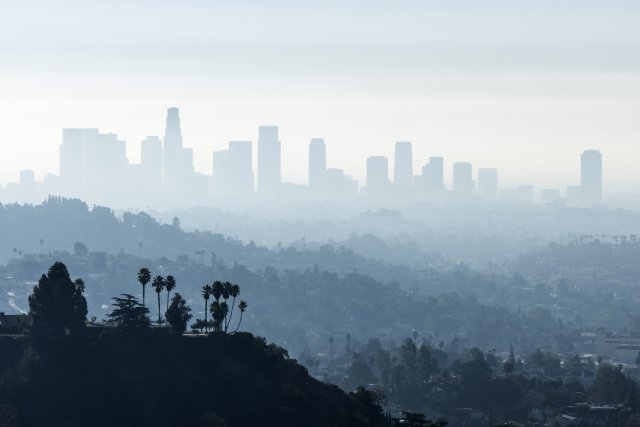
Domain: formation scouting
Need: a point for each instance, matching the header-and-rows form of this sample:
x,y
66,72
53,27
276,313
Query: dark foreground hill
x,y
168,380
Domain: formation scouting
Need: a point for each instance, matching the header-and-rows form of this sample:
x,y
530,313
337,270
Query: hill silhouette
x,y
66,372
169,380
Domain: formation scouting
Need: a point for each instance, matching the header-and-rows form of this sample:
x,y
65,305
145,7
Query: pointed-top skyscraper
x,y
177,161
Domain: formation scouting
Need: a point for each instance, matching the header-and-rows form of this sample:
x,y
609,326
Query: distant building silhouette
x,y
151,163
318,166
93,165
403,165
269,160
463,178
488,182
550,196
591,176
377,176
433,175
178,169
233,170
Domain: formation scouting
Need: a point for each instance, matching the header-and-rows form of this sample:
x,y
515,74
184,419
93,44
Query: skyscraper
x,y
151,162
177,160
268,160
233,170
403,165
317,165
377,175
591,176
462,178
488,182
241,163
433,174
92,165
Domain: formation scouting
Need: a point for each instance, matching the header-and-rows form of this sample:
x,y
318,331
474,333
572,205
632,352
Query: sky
x,y
523,86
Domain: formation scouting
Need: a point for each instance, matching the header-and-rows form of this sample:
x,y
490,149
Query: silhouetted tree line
x,y
70,372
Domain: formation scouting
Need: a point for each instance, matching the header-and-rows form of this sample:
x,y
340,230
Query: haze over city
x,y
468,82
408,213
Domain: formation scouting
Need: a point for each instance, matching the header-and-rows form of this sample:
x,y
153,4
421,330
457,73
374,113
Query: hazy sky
x,y
523,86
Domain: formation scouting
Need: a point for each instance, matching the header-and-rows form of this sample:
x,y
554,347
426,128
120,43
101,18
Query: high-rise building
x,y
269,178
433,175
233,170
591,176
403,165
462,178
377,175
93,165
241,163
488,182
151,162
177,161
317,165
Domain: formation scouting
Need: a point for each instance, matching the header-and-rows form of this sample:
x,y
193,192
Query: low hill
x,y
168,380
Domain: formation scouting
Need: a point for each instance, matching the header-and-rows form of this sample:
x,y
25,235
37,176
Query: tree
x,y
170,284
129,314
219,311
158,285
243,307
234,291
178,314
80,249
144,277
57,305
206,293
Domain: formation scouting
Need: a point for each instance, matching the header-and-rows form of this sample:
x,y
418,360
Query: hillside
x,y
168,380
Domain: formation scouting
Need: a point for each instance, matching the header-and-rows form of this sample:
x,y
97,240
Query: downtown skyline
x,y
518,87
94,165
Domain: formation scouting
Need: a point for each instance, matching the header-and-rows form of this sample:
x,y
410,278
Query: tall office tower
x,y
433,174
403,165
488,182
268,160
591,176
241,165
233,170
377,175
317,165
151,162
177,160
92,165
462,178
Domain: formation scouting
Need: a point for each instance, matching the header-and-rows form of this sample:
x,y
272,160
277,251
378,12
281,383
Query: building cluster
x,y
94,167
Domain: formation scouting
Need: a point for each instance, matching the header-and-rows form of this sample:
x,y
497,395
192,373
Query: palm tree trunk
x,y
239,321
143,286
159,308
233,303
168,296
206,323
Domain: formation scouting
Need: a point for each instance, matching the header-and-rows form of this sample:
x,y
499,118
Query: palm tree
x,y
226,293
234,291
144,276
158,284
170,284
206,293
219,311
216,289
243,307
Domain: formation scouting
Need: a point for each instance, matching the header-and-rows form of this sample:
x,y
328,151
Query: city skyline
x,y
496,91
94,165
